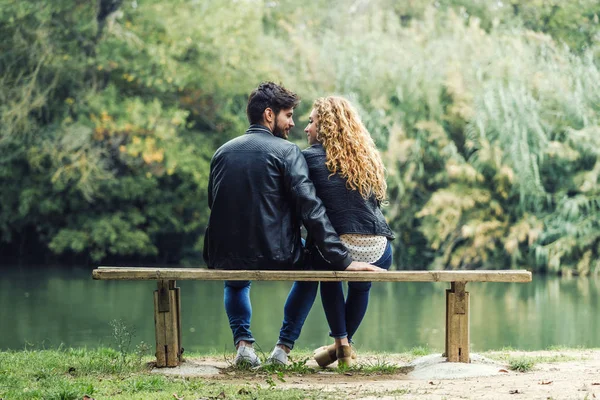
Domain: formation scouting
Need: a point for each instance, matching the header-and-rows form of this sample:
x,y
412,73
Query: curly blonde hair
x,y
350,149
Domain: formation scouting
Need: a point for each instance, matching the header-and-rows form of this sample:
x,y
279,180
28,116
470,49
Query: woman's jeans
x,y
343,315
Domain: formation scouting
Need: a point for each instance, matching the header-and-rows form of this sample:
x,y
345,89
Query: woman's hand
x,y
362,266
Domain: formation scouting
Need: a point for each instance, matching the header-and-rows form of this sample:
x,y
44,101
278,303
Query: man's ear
x,y
268,115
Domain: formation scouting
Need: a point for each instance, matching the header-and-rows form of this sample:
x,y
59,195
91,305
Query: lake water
x,y
49,306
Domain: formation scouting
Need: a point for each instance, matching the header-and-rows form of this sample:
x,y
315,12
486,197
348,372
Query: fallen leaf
x,y
85,397
545,382
221,396
514,391
176,396
503,370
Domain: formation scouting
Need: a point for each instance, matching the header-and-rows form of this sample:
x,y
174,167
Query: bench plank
x,y
140,273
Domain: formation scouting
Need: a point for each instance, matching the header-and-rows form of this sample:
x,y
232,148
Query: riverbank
x,y
556,373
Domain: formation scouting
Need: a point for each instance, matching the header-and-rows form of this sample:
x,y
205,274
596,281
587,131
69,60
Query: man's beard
x,y
280,132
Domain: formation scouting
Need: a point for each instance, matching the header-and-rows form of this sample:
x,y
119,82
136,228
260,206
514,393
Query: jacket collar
x,y
257,128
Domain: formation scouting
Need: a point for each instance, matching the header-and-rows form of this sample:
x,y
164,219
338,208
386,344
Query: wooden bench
x,y
167,304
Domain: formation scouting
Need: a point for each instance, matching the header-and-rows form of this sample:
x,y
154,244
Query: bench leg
x,y
457,323
167,323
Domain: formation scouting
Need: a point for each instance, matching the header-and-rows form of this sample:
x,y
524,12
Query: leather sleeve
x,y
210,186
209,190
312,211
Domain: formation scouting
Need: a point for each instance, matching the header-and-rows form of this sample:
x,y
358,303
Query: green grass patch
x,y
297,365
69,374
380,365
62,373
553,358
565,348
525,363
420,351
521,364
507,348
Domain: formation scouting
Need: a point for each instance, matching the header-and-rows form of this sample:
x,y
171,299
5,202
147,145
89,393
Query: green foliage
x,y
486,114
105,154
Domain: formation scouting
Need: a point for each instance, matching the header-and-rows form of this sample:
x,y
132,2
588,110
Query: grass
x,y
521,364
296,366
565,348
420,351
69,374
525,363
377,364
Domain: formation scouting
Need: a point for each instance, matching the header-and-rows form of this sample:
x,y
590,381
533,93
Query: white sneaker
x,y
278,357
246,355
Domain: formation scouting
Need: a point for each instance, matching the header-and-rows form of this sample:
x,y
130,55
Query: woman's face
x,y
311,128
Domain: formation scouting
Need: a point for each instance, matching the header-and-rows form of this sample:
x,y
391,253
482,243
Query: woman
x,y
348,175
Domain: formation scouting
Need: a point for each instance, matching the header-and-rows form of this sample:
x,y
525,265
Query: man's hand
x,y
362,266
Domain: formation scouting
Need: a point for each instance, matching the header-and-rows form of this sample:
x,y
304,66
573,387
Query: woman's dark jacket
x,y
347,210
259,194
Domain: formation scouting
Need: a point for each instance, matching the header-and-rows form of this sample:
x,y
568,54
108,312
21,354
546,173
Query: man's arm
x,y
205,254
210,186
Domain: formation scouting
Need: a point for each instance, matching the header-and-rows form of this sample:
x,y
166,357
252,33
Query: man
x,y
259,194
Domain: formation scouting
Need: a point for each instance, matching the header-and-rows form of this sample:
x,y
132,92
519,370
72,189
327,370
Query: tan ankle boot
x,y
344,356
325,356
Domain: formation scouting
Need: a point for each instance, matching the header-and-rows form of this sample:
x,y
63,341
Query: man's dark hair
x,y
269,95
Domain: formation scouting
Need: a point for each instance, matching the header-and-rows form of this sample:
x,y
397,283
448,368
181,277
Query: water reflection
x,y
49,306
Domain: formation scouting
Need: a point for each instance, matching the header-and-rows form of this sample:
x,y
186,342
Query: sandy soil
x,y
570,375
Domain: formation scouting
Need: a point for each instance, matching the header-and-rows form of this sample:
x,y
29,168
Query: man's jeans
x,y
297,306
344,317
238,309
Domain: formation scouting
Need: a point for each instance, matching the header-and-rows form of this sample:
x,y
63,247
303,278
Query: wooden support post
x,y
167,323
457,323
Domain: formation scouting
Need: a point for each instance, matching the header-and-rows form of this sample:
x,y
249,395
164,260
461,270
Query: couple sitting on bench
x,y
262,188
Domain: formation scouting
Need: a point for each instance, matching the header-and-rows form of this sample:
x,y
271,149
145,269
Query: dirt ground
x,y
569,374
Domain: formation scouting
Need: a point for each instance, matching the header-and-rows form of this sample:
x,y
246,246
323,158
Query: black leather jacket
x,y
346,209
259,193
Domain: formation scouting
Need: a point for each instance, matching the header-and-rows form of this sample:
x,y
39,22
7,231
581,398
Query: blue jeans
x,y
343,317
297,306
238,309
296,309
